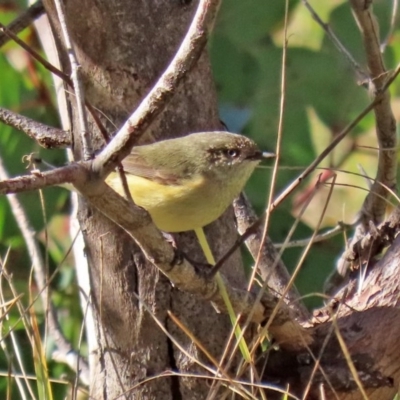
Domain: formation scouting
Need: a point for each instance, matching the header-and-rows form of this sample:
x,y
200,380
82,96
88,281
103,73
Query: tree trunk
x,y
122,48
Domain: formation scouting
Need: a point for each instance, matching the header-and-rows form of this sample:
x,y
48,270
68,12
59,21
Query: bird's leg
x,y
180,255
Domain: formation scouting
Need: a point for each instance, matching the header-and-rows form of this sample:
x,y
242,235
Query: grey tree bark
x,y
122,48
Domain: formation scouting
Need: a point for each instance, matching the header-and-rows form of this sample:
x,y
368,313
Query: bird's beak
x,y
260,155
265,154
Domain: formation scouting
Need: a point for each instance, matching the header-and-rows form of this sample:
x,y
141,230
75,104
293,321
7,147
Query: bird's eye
x,y
233,153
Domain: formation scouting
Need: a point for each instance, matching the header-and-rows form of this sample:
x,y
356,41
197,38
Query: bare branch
x,y
363,76
23,21
276,272
264,238
152,105
323,155
372,244
321,237
76,84
375,205
73,173
36,56
389,35
46,136
278,200
137,223
33,53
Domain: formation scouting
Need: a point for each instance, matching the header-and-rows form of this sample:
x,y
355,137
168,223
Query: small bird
x,y
188,182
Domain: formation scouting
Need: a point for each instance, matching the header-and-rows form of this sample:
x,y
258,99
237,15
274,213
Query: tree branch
x,y
276,272
73,173
76,84
137,223
336,42
374,206
46,136
152,105
23,21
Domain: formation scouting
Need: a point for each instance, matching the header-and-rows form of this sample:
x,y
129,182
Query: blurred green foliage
x,y
246,53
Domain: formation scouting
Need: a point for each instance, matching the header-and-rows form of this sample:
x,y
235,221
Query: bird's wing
x,y
136,164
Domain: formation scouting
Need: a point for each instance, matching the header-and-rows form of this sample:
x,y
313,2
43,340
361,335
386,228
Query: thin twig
x,y
285,194
363,76
35,54
319,238
317,360
278,150
50,67
305,252
392,26
77,84
285,289
15,357
276,272
374,207
23,21
375,204
73,173
137,223
152,105
322,155
28,233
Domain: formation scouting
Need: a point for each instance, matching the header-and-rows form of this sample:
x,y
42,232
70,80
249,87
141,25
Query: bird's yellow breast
x,y
180,207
